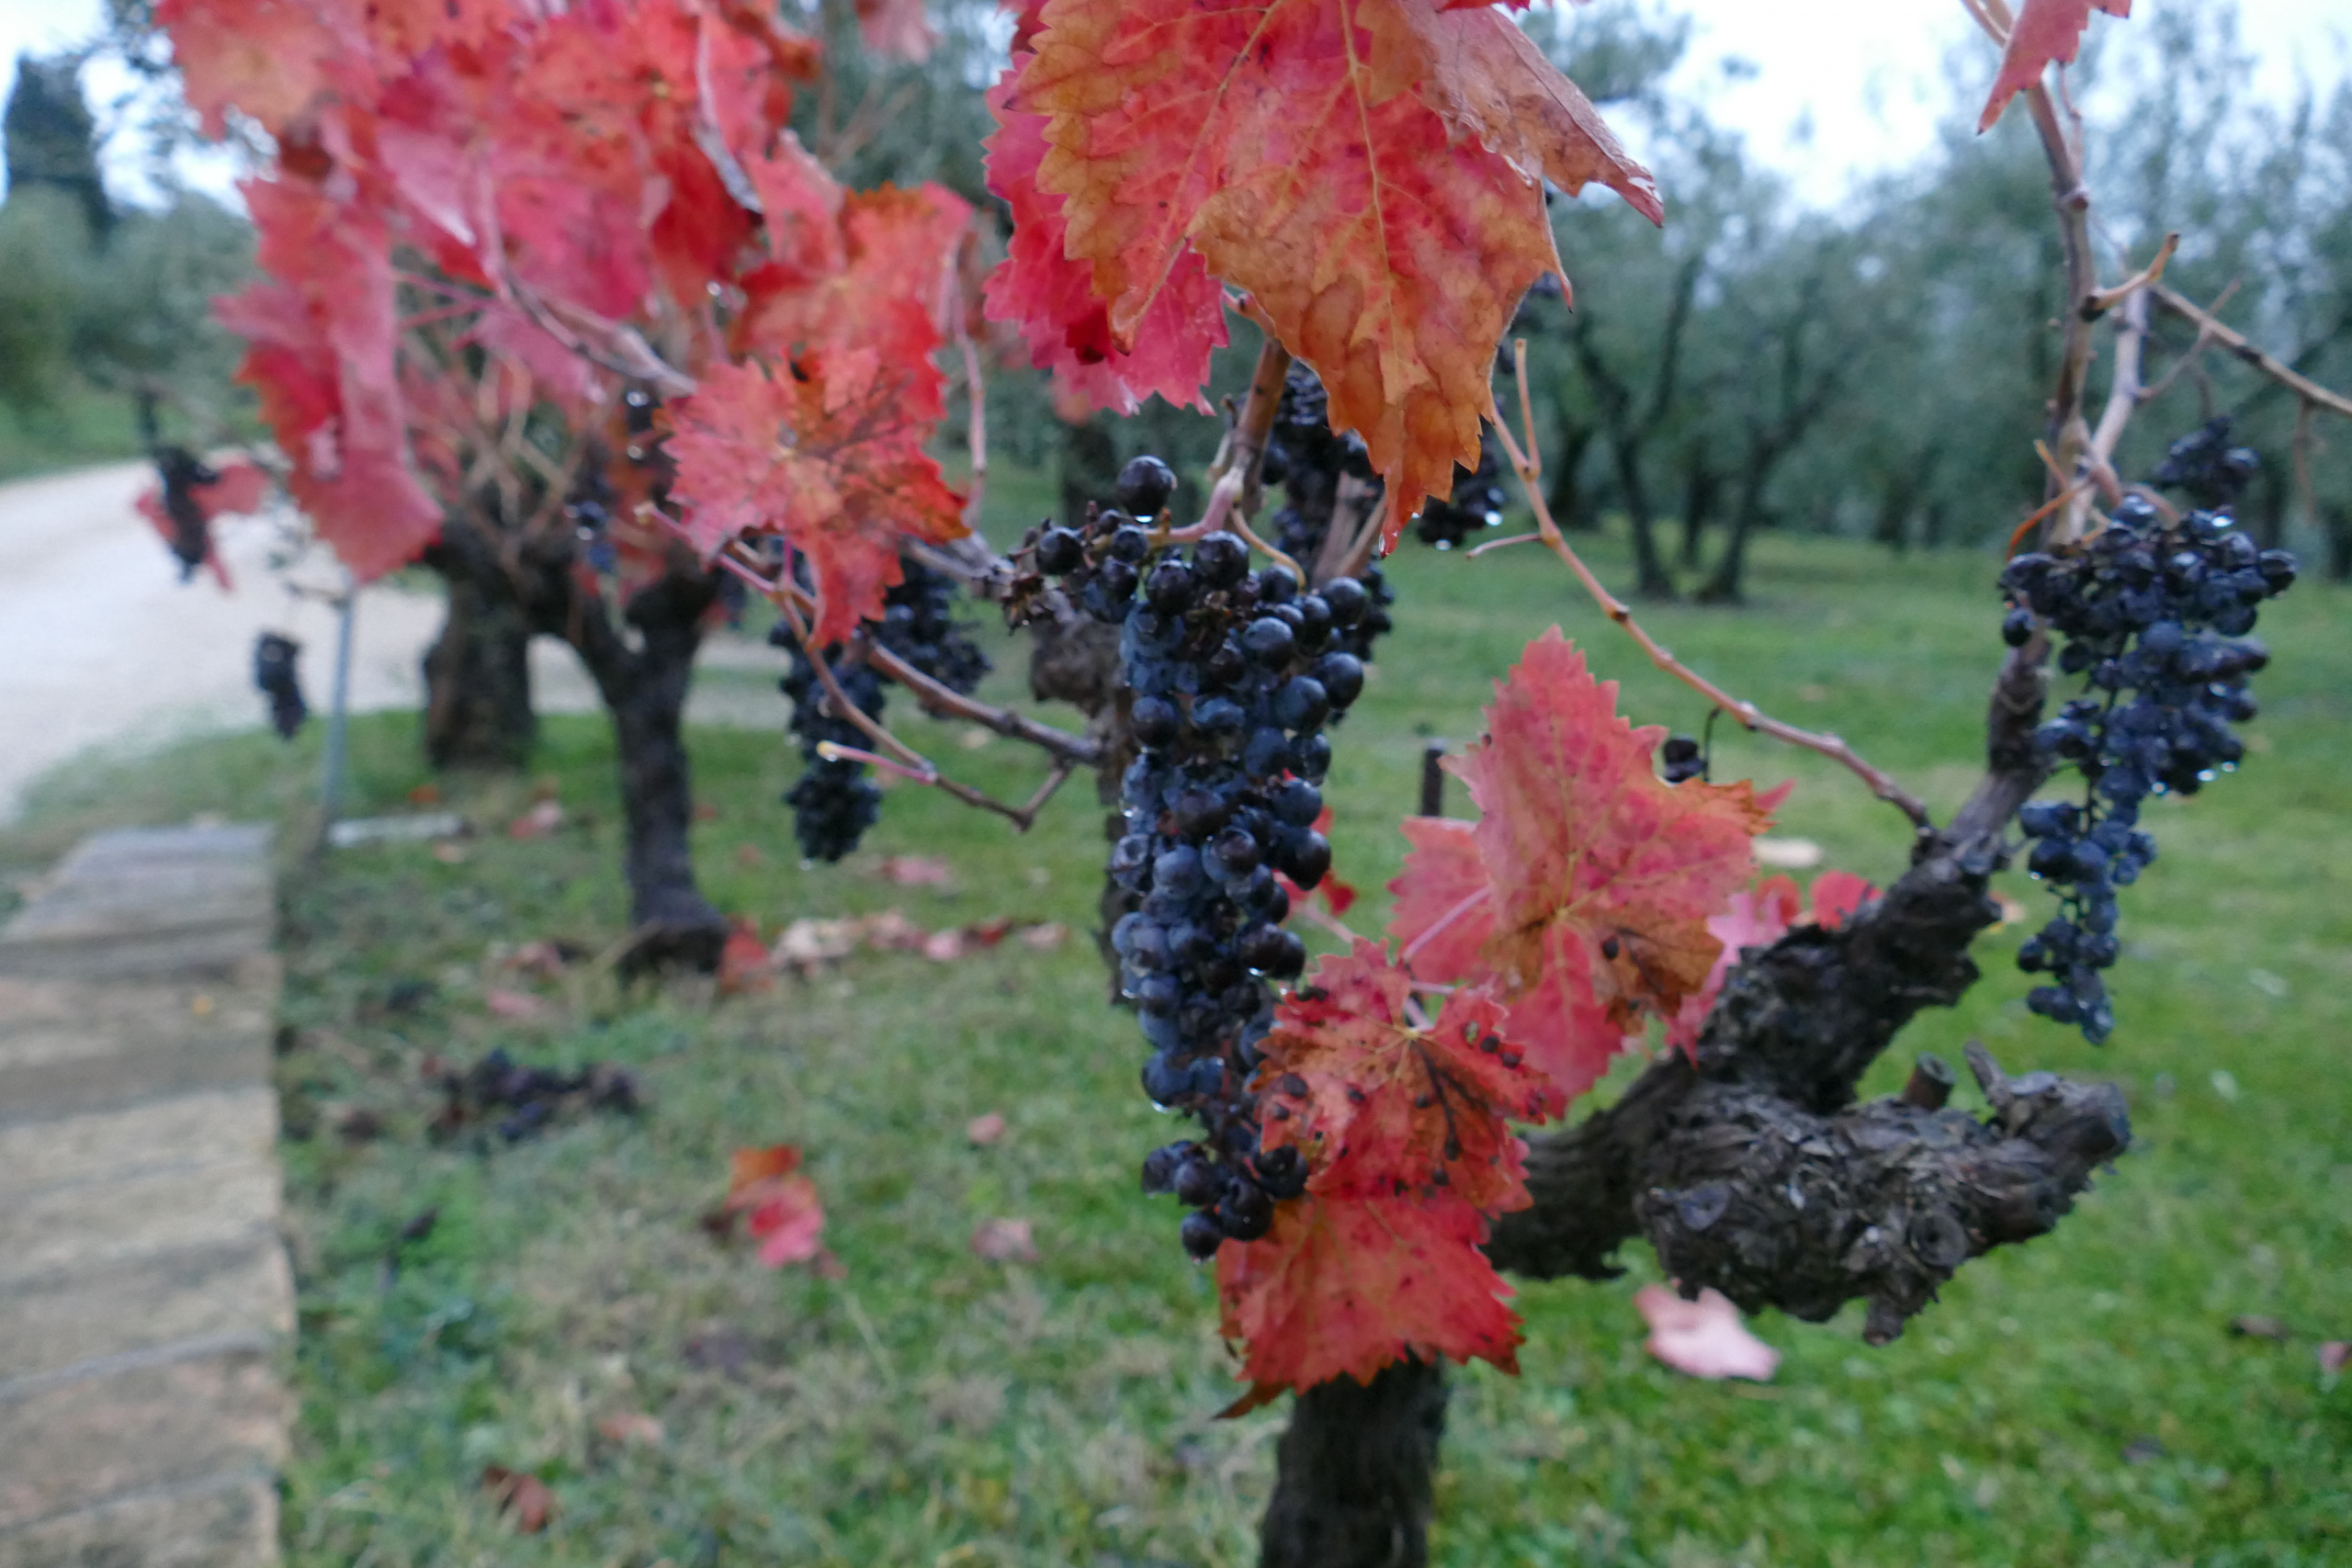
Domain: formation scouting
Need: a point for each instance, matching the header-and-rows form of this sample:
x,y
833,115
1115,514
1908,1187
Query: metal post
x,y
1433,779
333,769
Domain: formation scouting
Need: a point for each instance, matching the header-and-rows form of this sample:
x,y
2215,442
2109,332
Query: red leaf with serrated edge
x,y
1759,917
320,337
1597,877
268,59
886,294
1381,1107
825,455
1342,1287
1283,141
1409,1152
1579,832
2045,31
1051,298
896,30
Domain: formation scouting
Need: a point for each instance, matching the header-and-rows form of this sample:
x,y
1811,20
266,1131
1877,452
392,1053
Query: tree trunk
x,y
2336,518
644,689
1653,582
1570,505
1354,1487
1724,586
478,675
1700,486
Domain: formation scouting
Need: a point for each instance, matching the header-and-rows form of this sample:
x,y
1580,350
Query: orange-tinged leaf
x,y
743,963
1577,831
269,59
1388,244
781,1207
1342,1287
1051,298
826,455
1584,891
2045,31
1381,1107
746,1167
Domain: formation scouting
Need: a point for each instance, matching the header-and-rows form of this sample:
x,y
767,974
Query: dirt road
x,y
102,647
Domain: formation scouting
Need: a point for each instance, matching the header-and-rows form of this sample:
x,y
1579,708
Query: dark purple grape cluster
x,y
1477,501
2155,620
2207,468
1306,459
835,801
1229,677
526,1101
274,673
1681,758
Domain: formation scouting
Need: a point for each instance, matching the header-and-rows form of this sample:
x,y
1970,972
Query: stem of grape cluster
x,y
1527,463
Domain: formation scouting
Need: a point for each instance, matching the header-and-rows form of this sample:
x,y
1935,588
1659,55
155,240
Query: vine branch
x,y
1527,463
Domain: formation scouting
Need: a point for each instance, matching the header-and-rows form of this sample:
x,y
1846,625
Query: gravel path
x,y
101,646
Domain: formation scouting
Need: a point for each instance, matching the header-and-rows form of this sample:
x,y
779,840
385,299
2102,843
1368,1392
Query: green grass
x,y
931,1408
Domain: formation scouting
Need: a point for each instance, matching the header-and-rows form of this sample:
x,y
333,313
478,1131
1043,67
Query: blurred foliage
x,y
98,300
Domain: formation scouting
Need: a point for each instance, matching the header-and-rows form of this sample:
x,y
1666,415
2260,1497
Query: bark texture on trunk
x,y
478,709
1357,1465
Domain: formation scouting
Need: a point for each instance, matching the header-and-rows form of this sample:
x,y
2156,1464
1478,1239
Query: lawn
x,y
2075,1402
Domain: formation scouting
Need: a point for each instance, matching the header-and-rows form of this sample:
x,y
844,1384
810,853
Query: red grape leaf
x,y
269,59
320,332
2045,31
1282,141
1579,832
1584,890
885,293
1051,298
1344,1286
824,454
783,1213
1381,1108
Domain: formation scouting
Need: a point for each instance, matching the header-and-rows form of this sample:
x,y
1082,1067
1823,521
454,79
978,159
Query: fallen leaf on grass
x,y
943,947
780,1207
916,871
1703,1339
2012,912
743,965
424,794
523,1498
517,1005
631,1426
986,1129
1005,1241
1044,938
2334,1354
891,931
1786,854
540,957
538,822
448,854
706,812
807,945
750,856
2252,1325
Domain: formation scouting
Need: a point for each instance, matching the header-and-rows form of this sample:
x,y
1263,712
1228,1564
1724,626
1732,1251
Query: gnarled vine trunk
x,y
644,669
1753,1170
478,710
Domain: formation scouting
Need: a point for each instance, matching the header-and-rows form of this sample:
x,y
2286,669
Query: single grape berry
x,y
1145,485
1222,561
1346,599
1129,544
1200,1235
1059,552
1269,641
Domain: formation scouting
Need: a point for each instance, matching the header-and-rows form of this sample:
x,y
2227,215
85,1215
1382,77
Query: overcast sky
x,y
1840,88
